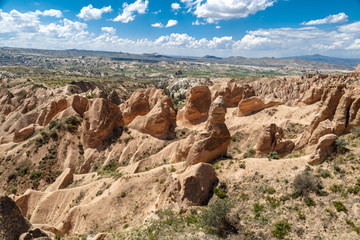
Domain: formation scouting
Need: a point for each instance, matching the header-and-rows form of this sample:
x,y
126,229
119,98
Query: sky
x,y
249,28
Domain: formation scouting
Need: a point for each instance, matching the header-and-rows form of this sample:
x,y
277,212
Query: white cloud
x,y
351,28
355,45
110,30
52,13
15,21
171,23
157,25
129,11
175,6
226,9
91,13
337,18
69,29
218,27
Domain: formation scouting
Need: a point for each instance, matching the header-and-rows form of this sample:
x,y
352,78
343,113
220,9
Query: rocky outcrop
x,y
62,181
231,92
196,107
79,104
34,234
114,98
357,70
160,122
140,103
312,95
214,141
191,187
23,134
54,108
272,139
323,149
101,122
12,222
254,104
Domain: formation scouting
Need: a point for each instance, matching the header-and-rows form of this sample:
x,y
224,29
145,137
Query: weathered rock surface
x,y
231,92
254,104
323,148
140,103
62,181
312,95
357,70
23,134
12,222
101,122
160,122
196,107
33,234
214,141
272,139
191,187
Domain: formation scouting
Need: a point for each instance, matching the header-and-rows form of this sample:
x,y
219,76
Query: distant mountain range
x,y
309,61
351,62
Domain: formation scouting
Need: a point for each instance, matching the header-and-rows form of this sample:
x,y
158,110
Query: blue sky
x,y
250,28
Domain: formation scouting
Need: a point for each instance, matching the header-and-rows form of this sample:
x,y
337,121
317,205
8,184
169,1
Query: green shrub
x,y
99,192
340,145
54,135
242,165
281,229
123,194
352,224
309,202
13,190
273,155
215,216
216,166
340,207
335,188
305,183
12,176
257,209
35,175
52,124
219,192
270,190
273,202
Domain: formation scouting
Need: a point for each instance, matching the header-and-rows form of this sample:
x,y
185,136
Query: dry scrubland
x,y
186,158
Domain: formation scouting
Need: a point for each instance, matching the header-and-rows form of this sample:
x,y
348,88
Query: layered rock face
x,y
140,103
231,92
160,122
196,107
323,148
12,222
272,139
102,121
214,141
254,104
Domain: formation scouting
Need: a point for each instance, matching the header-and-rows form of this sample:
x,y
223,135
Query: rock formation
x,y
160,122
214,141
357,70
196,107
272,139
101,122
313,95
140,103
254,104
323,148
231,92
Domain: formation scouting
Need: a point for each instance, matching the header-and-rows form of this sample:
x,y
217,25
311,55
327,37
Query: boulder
x,y
231,92
272,139
140,103
191,187
62,181
254,104
312,95
214,141
323,149
160,122
101,122
23,134
196,107
12,222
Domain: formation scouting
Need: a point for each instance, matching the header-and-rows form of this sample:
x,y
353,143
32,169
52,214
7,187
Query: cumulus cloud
x,y
157,25
225,9
337,18
129,11
15,21
52,13
171,23
110,30
91,13
175,6
351,28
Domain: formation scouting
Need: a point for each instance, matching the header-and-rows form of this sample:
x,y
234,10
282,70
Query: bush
x,y
257,209
281,229
340,145
340,207
304,183
309,202
273,155
11,176
219,192
123,194
215,216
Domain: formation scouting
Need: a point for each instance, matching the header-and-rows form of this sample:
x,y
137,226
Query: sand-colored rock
x,y
231,92
34,234
341,115
196,107
23,134
272,139
79,104
354,113
254,104
325,127
312,95
140,103
160,122
62,181
12,222
214,141
101,122
114,98
323,148
357,70
191,187
54,108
